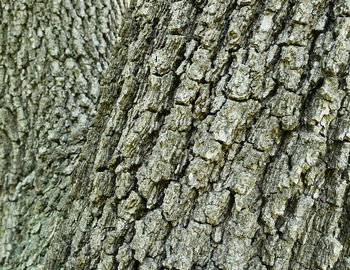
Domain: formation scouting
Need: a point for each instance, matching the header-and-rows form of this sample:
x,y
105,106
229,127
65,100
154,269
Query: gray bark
x,y
221,141
52,54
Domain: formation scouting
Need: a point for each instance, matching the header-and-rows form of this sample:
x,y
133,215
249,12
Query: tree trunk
x,y
52,54
221,141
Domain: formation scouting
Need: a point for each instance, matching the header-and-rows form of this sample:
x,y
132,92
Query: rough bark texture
x,y
52,54
221,141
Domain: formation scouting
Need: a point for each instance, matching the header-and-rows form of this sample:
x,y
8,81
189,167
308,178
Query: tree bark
x,y
52,54
221,141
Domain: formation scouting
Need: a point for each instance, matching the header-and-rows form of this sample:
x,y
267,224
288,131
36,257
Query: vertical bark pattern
x,y
221,142
52,54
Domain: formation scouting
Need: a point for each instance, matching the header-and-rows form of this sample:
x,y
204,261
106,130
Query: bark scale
x,y
221,141
52,54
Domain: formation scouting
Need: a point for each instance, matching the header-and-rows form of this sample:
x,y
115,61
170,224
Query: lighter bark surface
x,y
52,54
221,141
